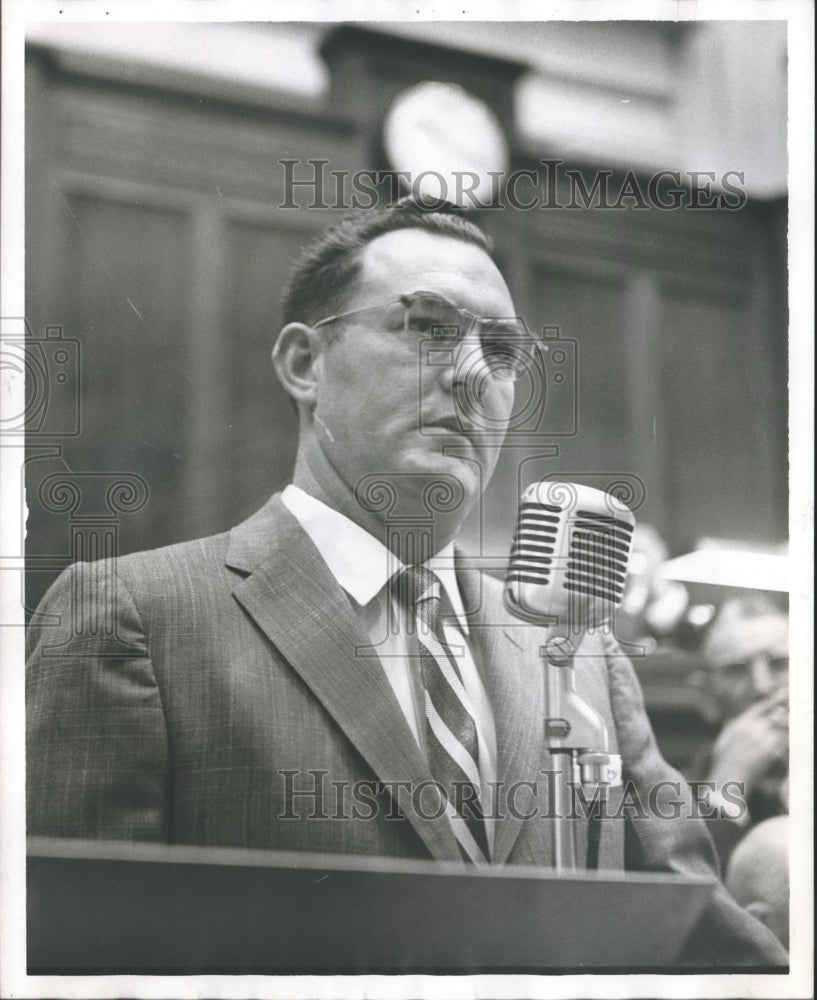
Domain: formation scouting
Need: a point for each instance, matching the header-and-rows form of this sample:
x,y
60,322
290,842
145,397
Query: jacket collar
x,y
358,560
296,601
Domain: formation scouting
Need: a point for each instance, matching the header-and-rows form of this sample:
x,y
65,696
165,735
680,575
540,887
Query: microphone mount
x,y
576,734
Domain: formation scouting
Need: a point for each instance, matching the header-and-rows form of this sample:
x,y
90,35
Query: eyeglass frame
x,y
471,319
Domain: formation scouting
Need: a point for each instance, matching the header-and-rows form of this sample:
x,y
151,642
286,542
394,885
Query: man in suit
x,y
290,684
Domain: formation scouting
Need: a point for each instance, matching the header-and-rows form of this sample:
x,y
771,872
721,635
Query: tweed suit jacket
x,y
222,692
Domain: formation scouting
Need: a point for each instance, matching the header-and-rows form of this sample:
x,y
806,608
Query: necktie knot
x,y
418,590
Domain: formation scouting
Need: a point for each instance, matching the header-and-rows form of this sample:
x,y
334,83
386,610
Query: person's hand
x,y
753,744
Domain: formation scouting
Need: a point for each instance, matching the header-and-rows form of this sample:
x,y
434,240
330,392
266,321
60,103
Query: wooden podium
x,y
119,907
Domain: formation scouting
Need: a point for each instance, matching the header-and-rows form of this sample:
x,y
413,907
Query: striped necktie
x,y
451,733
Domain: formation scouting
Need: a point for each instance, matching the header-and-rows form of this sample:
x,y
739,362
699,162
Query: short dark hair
x,y
325,271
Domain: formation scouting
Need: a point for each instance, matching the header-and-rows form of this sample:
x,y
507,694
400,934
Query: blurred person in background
x,y
744,679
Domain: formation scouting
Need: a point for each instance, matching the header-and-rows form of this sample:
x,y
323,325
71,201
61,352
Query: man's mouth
x,y
447,425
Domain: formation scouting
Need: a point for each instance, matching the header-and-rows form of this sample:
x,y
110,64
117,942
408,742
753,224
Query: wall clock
x,y
441,135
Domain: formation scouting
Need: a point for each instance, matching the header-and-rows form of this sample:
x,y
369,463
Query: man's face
x,y
740,683
380,407
748,661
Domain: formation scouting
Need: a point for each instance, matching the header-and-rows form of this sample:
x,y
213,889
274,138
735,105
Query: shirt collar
x,y
360,563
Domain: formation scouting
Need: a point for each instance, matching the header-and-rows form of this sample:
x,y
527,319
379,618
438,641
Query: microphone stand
x,y
576,736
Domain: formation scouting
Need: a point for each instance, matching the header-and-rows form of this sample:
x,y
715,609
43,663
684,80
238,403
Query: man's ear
x,y
296,358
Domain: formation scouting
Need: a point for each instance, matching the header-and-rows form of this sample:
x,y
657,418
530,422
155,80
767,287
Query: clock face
x,y
448,141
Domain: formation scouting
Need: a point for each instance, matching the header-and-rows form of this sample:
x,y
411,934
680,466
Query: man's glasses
x,y
506,344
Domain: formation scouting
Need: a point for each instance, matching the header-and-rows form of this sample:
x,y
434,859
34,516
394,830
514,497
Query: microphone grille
x,y
597,556
568,563
532,552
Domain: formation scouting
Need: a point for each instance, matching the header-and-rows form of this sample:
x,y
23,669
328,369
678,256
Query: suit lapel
x,y
512,672
298,604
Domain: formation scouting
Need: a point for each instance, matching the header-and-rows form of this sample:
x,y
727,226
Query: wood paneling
x,y
123,285
263,432
720,463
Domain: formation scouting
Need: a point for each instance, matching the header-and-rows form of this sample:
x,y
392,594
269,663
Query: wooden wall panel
x,y
590,310
129,287
123,289
216,147
720,466
263,436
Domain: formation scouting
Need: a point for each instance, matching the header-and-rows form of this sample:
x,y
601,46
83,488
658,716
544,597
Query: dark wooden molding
x,y
369,68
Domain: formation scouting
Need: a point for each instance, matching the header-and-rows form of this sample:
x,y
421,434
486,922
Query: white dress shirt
x,y
363,566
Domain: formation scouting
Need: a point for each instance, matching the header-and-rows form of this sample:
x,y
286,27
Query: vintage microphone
x,y
566,572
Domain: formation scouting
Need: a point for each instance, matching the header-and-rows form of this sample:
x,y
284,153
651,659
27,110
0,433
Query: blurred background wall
x,y
156,241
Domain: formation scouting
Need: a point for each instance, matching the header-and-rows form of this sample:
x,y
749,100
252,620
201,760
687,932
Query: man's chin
x,y
430,483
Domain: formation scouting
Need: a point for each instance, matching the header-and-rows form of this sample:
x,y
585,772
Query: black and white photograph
x,y
407,515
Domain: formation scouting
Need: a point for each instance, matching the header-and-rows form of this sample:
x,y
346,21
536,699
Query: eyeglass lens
x,y
505,343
